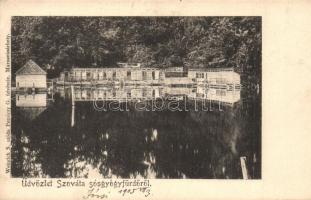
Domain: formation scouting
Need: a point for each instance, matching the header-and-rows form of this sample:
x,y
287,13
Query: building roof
x,y
113,68
175,69
30,68
131,65
212,69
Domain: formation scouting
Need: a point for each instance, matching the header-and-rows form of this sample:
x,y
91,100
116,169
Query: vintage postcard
x,y
141,100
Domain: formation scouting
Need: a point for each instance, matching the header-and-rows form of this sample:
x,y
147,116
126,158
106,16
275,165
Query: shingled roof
x,y
30,68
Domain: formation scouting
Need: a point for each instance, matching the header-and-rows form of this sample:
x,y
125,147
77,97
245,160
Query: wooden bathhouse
x,y
31,76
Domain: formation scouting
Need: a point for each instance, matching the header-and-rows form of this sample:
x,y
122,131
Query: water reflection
x,y
32,105
134,93
54,137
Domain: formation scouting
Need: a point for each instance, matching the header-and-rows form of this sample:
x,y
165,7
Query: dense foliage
x,y
56,43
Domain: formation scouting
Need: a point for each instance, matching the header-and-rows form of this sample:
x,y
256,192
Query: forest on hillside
x,y
58,43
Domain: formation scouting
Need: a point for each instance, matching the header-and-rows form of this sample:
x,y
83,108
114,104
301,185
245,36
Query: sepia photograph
x,y
136,97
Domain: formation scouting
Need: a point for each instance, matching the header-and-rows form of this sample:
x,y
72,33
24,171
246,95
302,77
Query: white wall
x,y
36,100
229,77
29,81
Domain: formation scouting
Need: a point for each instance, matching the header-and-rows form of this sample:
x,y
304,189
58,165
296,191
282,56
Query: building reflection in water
x,y
31,105
131,93
71,139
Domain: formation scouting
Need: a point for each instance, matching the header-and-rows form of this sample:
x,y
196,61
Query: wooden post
x,y
72,95
72,116
72,107
244,168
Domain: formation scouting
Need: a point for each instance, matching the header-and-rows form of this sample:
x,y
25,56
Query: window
x,y
88,75
153,75
128,74
129,94
144,75
199,75
200,95
114,75
104,75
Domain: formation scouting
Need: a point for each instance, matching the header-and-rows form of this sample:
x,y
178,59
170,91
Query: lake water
x,y
56,136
